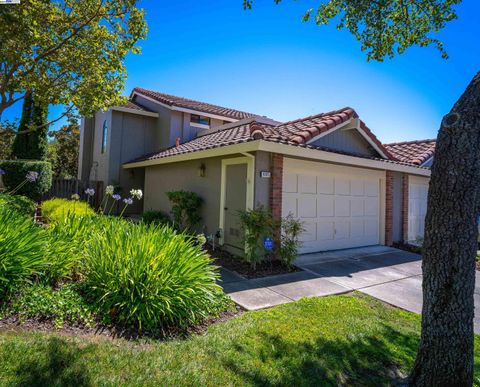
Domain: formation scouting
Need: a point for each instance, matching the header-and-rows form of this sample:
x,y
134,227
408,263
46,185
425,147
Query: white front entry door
x,y
417,207
340,207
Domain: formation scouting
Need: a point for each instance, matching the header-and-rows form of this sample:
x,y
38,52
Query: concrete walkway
x,y
391,275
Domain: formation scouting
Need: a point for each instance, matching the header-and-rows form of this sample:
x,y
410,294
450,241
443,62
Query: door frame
x,y
250,162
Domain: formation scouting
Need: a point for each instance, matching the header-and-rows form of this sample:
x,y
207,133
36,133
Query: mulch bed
x,y
238,265
408,247
13,324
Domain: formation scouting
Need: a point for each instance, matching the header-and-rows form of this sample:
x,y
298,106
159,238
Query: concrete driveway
x,y
391,275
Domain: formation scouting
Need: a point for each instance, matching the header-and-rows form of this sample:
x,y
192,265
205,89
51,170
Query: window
x,y
197,119
104,136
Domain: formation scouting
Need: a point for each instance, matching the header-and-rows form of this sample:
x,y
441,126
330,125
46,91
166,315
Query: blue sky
x,y
268,62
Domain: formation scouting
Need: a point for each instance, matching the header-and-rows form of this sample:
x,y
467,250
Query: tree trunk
x,y
445,356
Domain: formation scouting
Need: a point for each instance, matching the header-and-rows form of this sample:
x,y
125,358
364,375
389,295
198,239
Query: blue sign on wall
x,y
268,243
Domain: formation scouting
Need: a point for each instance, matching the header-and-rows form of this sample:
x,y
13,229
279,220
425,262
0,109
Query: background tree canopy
x,y
385,27
63,150
67,52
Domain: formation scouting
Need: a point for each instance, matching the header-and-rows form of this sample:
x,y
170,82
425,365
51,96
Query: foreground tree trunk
x,y
445,356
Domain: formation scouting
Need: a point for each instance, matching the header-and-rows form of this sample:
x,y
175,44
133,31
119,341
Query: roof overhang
x,y
134,111
287,150
184,110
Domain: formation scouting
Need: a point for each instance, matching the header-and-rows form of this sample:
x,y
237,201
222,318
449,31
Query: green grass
x,y
328,341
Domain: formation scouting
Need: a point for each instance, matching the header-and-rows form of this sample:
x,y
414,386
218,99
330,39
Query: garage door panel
x,y
290,183
372,188
342,186
307,206
357,188
357,207
371,206
325,231
417,209
371,227
339,206
307,184
342,206
325,185
357,228
325,206
289,206
342,229
310,233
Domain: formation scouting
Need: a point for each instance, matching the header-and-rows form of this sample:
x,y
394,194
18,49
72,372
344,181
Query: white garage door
x,y
417,207
339,206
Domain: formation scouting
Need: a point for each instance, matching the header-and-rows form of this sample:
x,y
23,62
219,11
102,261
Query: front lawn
x,y
348,340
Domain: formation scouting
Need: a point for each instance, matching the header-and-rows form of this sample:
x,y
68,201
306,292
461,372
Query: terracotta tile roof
x,y
135,106
412,152
296,133
172,100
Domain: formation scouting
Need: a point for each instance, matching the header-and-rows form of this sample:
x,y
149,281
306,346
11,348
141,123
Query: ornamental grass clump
x,y
23,247
150,277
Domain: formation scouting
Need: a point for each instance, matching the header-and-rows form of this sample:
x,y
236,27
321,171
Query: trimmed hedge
x,y
16,170
18,203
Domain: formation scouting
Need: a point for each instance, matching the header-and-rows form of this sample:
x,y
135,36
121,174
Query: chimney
x,y
177,141
256,131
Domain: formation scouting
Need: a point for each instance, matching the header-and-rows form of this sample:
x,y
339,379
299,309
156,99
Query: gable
x,y
346,140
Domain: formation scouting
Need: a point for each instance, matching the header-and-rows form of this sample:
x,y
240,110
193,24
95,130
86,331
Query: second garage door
x,y
340,207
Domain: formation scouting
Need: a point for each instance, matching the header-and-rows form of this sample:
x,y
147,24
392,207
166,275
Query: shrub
x,y
157,217
20,204
150,276
69,240
289,243
42,302
22,249
16,170
55,210
256,224
185,209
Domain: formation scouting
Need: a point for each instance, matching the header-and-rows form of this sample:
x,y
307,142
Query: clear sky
x,y
268,62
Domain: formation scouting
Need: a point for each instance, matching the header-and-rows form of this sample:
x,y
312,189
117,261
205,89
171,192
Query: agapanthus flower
x,y
116,197
109,190
136,193
75,197
128,201
90,191
2,172
32,176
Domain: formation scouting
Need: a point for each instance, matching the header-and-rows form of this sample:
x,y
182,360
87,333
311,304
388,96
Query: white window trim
x,y
250,162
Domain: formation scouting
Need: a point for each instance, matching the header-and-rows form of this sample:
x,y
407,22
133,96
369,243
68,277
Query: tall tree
x,y
445,357
386,28
31,138
68,52
63,150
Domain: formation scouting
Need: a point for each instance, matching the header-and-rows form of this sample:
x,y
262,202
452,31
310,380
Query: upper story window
x,y
198,119
104,136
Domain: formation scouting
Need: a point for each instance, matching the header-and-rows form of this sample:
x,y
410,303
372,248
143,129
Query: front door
x,y
235,201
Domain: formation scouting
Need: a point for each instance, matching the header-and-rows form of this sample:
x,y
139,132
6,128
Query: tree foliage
x,y
63,150
67,52
7,136
31,141
385,27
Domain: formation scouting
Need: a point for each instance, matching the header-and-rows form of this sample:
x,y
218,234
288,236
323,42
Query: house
x,y
419,152
329,170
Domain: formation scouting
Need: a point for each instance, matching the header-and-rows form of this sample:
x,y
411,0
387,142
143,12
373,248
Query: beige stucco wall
x,y
161,179
184,175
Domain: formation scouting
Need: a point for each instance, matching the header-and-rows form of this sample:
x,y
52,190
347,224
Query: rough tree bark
x,y
445,356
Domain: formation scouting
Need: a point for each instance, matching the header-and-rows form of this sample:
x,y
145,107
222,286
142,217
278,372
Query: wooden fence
x,y
65,188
